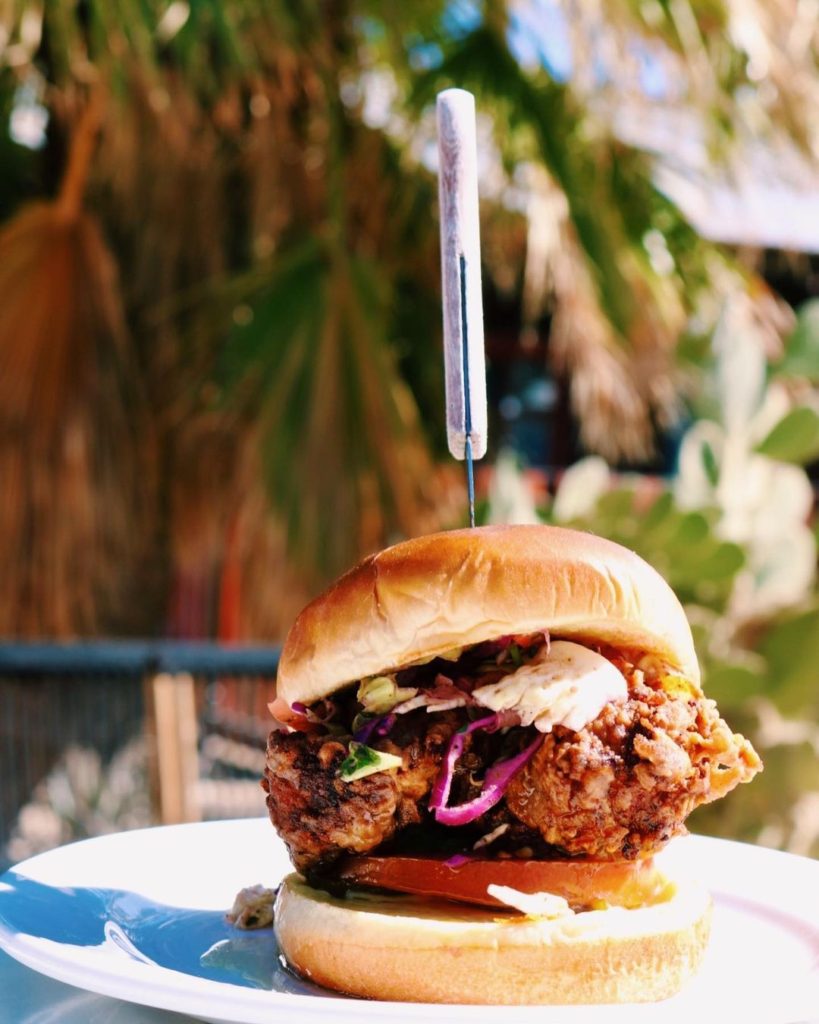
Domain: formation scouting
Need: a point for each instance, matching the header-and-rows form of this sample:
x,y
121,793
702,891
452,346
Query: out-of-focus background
x,y
221,373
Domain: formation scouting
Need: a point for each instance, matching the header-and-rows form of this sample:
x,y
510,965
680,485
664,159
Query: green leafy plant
x,y
242,143
731,533
801,355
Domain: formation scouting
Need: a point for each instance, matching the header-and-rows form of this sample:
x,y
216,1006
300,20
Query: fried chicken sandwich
x,y
485,736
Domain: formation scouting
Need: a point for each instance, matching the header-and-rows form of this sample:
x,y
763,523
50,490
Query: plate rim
x,y
200,997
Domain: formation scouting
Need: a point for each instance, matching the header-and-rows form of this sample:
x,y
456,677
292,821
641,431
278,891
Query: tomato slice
x,y
285,715
581,883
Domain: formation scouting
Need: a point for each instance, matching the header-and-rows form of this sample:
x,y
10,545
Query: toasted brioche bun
x,y
426,596
447,953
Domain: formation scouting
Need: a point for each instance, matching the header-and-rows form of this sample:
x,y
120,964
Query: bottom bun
x,y
400,948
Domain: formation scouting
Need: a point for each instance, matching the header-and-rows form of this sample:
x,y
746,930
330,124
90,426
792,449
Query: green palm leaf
x,y
341,444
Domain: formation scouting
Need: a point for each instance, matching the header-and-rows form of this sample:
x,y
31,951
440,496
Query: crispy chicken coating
x,y
624,785
320,816
317,814
619,788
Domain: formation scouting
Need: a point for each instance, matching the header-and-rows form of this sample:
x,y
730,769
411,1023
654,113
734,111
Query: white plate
x,y
140,916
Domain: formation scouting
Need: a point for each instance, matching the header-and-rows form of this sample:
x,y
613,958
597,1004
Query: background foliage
x,y
220,316
253,209
731,534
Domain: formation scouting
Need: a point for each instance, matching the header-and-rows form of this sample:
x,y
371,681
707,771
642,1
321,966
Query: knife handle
x,y
464,363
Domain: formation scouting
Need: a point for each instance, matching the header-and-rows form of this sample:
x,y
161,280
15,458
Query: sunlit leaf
x,y
791,648
782,566
709,463
580,488
693,487
682,545
802,351
740,368
616,504
341,443
795,438
730,684
658,513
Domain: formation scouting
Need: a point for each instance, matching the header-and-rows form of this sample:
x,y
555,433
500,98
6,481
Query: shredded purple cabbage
x,y
386,724
319,714
379,726
363,734
494,786
440,791
457,860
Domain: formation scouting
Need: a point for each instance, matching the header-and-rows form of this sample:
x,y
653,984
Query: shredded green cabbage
x,y
380,694
362,761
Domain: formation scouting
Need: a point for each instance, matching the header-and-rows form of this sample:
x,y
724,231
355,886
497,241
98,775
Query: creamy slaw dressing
x,y
566,684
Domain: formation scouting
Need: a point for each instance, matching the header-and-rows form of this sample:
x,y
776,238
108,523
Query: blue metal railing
x,y
136,658
91,696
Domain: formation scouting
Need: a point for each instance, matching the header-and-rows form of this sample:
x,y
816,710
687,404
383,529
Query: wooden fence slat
x,y
176,732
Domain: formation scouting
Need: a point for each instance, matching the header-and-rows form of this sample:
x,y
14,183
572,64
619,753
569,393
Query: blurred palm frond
x,y
75,455
342,449
236,131
615,317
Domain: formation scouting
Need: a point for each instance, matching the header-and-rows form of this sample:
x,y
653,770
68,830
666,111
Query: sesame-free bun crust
x,y
424,597
454,954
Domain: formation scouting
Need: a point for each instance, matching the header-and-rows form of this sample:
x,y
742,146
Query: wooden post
x,y
172,724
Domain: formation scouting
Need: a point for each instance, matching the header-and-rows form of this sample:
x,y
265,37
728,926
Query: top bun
x,y
426,596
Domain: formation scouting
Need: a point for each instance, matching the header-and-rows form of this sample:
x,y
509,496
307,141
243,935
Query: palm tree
x,y
261,188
